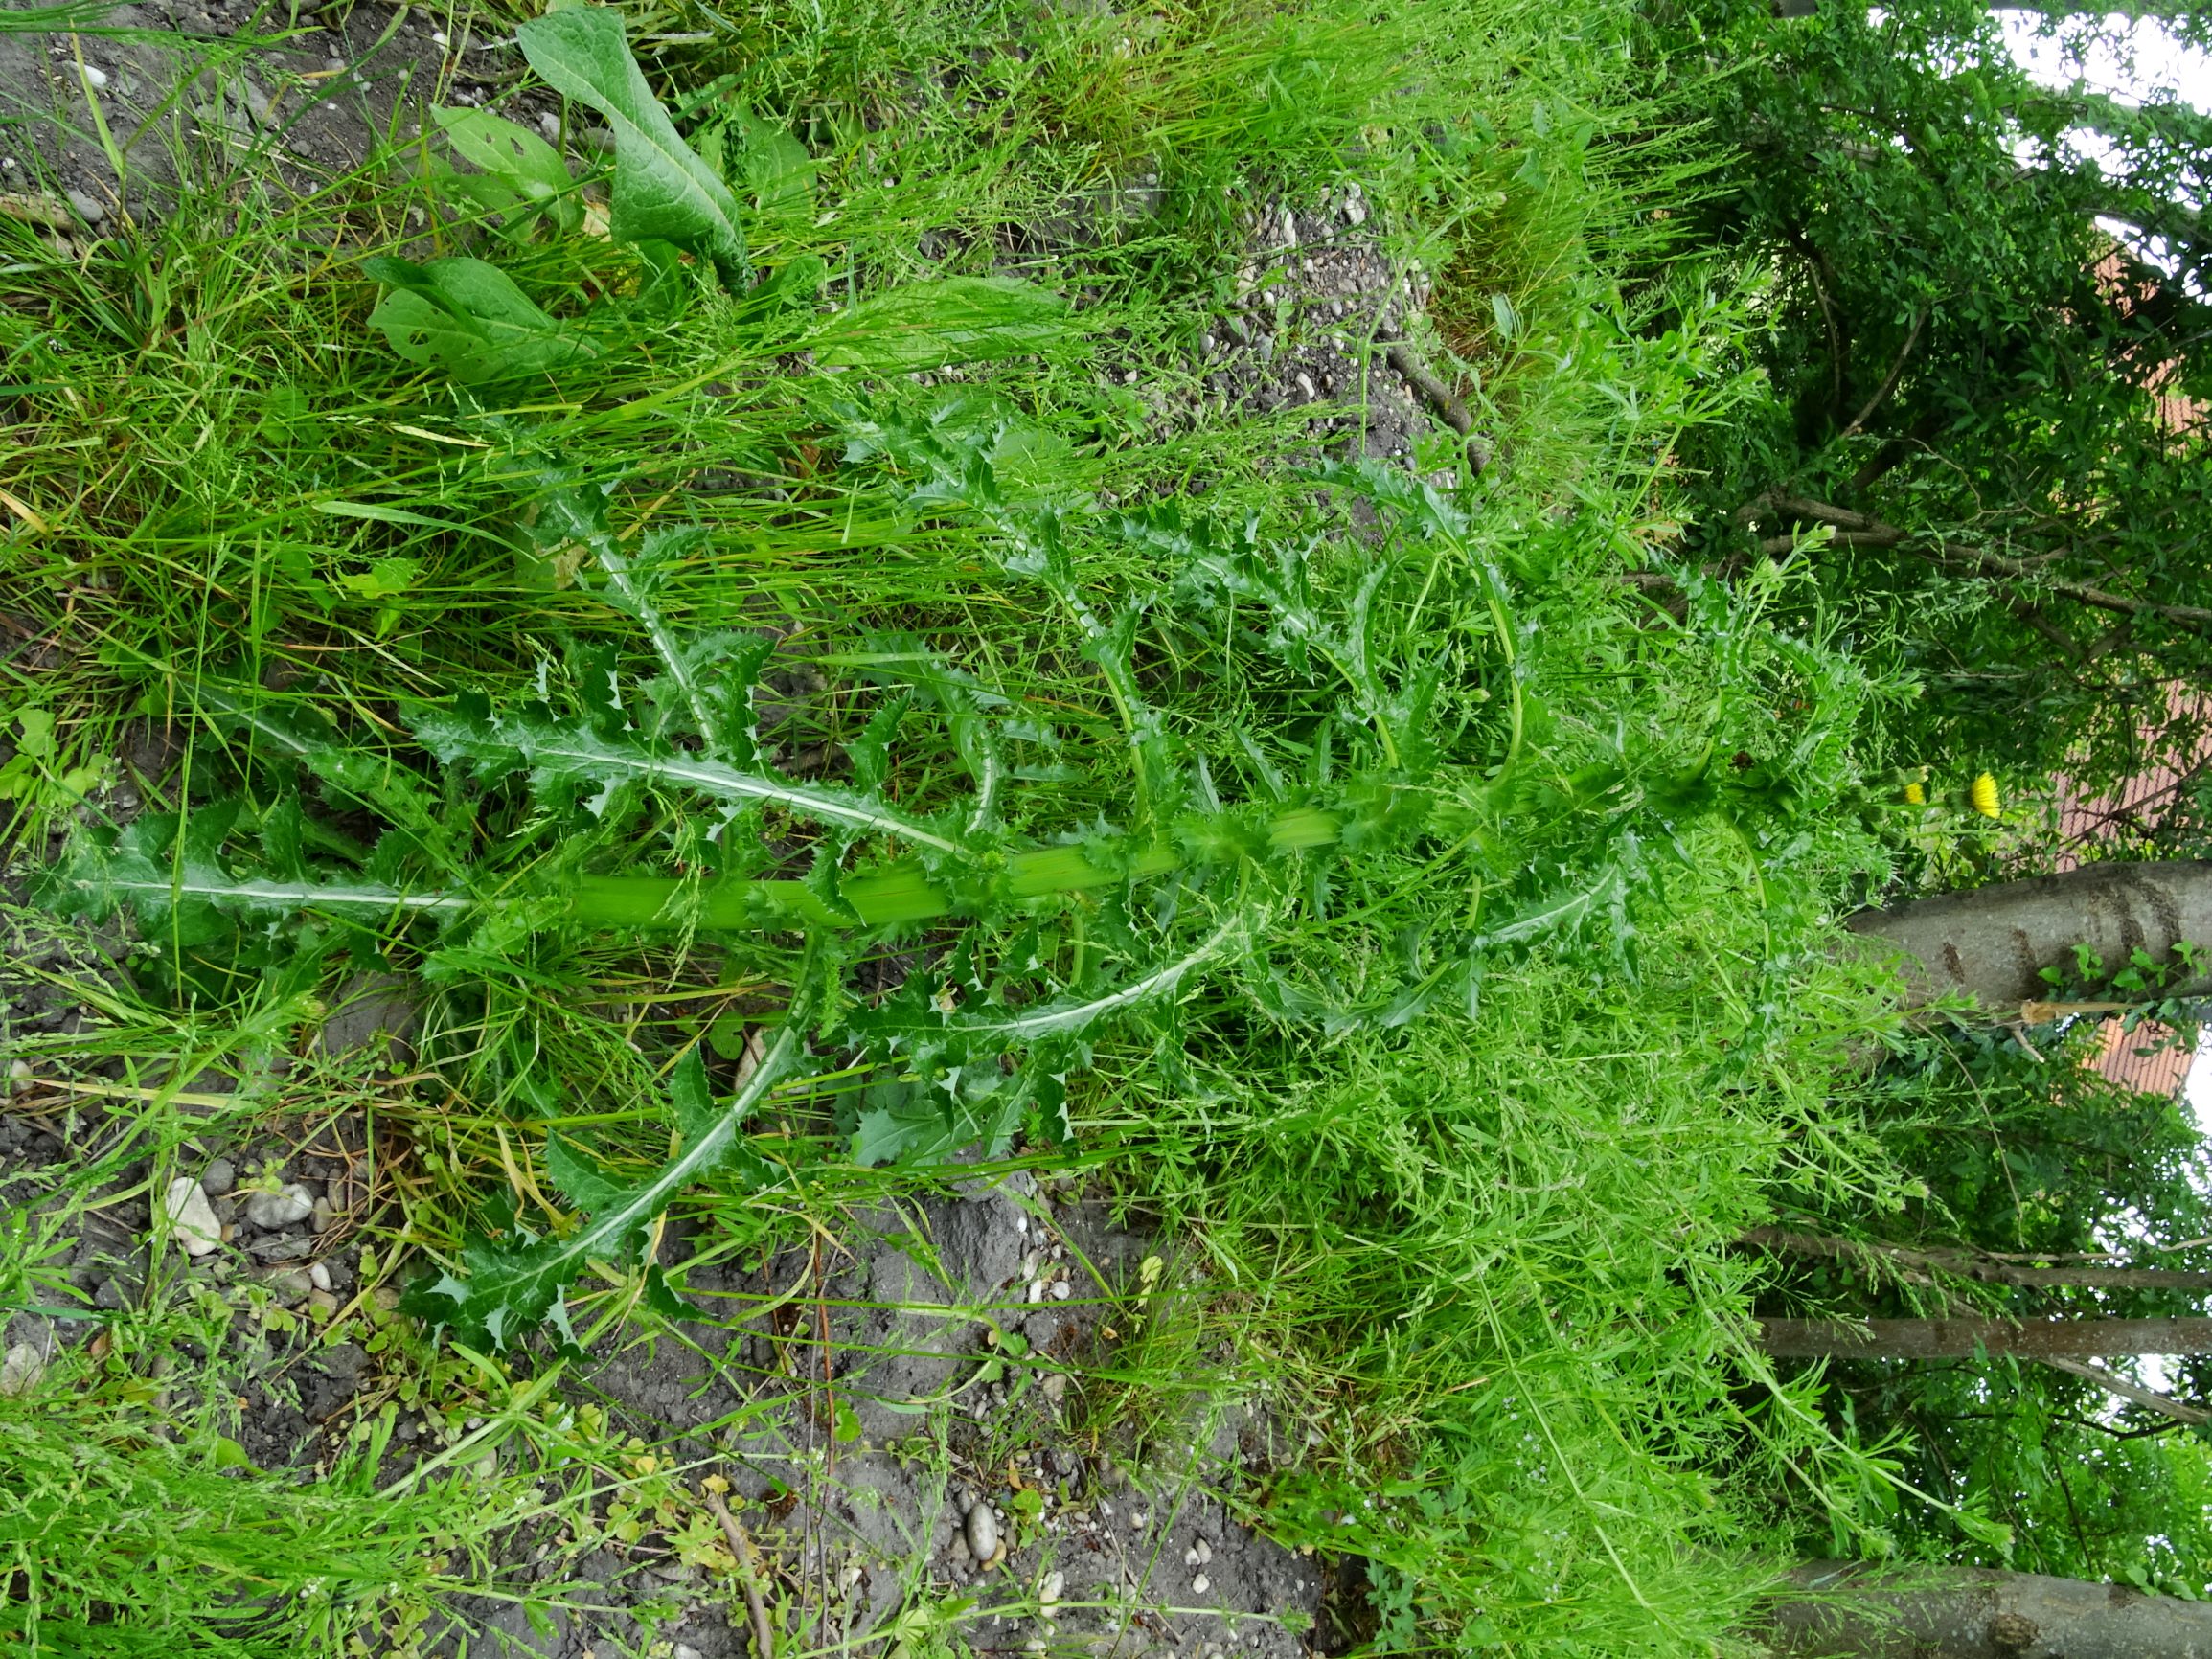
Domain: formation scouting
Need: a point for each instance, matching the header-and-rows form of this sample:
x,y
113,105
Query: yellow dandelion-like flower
x,y
1915,795
1984,795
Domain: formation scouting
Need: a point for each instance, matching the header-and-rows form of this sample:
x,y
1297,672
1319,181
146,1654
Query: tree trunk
x,y
1962,1338
1992,943
1914,1266
1953,1613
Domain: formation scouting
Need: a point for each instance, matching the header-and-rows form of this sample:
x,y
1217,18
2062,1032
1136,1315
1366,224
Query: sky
x,y
2160,62
2143,59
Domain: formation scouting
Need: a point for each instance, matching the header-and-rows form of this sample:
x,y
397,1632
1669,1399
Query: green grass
x,y
1477,1242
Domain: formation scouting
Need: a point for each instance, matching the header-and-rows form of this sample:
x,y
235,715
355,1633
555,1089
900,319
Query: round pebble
x,y
192,1222
982,1532
269,1210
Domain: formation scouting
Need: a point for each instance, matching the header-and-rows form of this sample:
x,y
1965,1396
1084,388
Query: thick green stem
x,y
900,893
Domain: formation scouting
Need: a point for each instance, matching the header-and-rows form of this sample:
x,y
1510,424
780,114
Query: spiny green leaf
x,y
661,190
505,1288
168,872
567,752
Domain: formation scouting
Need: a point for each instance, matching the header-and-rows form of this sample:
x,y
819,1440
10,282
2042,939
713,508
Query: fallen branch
x,y
749,1575
1440,397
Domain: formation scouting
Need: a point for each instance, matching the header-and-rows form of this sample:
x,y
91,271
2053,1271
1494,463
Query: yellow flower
x,y
1915,795
1984,795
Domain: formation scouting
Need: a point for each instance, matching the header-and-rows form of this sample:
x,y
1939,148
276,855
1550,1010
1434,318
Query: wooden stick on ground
x,y
748,1574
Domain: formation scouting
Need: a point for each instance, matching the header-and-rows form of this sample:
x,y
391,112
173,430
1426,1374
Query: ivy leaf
x,y
662,192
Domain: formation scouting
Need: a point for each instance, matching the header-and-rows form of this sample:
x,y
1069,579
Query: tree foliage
x,y
1985,319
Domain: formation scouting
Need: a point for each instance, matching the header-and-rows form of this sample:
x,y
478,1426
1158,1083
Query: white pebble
x,y
1203,1551
1048,1593
1061,1290
95,77
1036,1291
269,1210
320,1275
982,1532
21,1369
192,1222
1200,1584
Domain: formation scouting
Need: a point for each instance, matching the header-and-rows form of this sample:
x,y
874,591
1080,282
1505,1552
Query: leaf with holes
x,y
471,320
517,158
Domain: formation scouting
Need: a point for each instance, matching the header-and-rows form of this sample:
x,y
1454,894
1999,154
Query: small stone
x,y
849,1576
1055,1386
322,1218
219,1177
1061,1290
284,1208
284,1247
90,209
318,1276
293,1284
1206,344
1305,386
20,1077
549,124
1200,1584
685,1651
982,1531
96,78
190,1217
322,1304
1036,1291
1203,1551
21,1369
1267,348
386,1299
112,1296
1048,1593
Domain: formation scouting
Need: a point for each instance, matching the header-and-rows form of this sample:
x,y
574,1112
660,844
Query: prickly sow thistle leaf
x,y
507,1287
662,192
168,873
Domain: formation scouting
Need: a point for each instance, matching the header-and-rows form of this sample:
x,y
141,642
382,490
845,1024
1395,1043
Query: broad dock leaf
x,y
662,192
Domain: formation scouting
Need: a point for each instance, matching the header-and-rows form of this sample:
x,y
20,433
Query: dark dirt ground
x,y
904,1323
